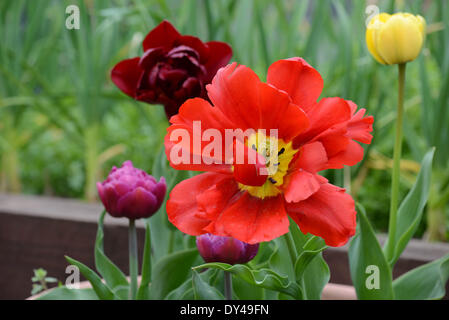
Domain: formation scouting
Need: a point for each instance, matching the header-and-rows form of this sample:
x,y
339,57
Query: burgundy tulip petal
x,y
173,68
197,44
164,35
126,75
219,55
150,58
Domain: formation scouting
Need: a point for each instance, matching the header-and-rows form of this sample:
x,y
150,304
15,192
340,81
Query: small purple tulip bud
x,y
130,192
225,249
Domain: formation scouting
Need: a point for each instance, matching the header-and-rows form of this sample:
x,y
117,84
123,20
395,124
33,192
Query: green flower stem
x,y
347,179
228,285
132,238
291,248
396,165
171,242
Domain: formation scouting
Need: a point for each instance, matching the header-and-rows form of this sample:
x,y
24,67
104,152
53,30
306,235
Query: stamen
x,y
272,180
281,151
254,147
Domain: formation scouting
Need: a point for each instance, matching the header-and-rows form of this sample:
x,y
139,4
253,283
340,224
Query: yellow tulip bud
x,y
397,38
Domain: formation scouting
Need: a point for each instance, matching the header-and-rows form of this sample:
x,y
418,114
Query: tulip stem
x,y
132,238
396,166
228,285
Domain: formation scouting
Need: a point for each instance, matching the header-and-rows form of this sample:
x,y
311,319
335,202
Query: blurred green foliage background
x,y
64,124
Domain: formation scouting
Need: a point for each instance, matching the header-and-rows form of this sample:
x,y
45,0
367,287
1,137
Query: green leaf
x,y
102,291
113,276
280,259
315,277
172,271
310,268
364,252
425,282
299,238
245,291
264,278
314,246
202,290
411,209
144,290
261,260
64,293
36,288
183,292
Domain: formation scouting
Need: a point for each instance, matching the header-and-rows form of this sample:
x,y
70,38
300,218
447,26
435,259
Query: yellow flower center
x,y
278,155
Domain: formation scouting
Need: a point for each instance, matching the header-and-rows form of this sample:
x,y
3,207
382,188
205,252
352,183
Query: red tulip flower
x,y
173,68
236,200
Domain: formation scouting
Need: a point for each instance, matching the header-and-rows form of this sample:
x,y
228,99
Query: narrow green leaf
x,y
113,276
311,270
102,291
180,292
425,282
311,249
202,290
144,291
172,271
280,259
411,209
315,277
367,262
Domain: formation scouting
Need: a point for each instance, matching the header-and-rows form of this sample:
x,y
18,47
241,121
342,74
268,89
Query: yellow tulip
x,y
397,38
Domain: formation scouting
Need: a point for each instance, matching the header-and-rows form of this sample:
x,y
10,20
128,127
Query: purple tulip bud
x,y
130,192
225,249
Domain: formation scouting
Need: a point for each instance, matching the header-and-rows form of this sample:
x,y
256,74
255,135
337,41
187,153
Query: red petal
x,y
248,170
351,155
312,158
277,112
235,91
252,220
359,127
219,55
300,185
199,110
163,35
334,141
126,75
251,104
213,201
182,209
302,82
324,115
328,213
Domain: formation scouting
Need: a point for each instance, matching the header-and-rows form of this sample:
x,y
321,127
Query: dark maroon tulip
x,y
130,192
225,249
173,68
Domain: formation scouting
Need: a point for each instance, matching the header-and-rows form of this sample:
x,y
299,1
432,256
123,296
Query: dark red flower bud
x,y
225,249
130,192
172,69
